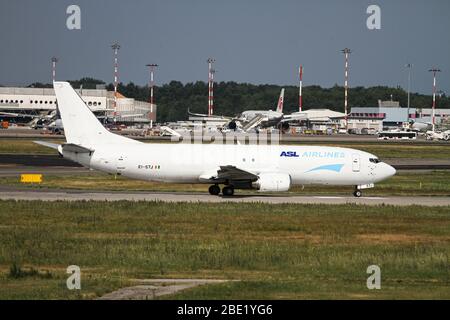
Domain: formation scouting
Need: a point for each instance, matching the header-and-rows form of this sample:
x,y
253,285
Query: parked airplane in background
x,y
254,119
261,167
420,126
251,119
264,118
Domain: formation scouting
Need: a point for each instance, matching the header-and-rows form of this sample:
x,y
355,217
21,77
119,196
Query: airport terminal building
x,y
19,104
389,114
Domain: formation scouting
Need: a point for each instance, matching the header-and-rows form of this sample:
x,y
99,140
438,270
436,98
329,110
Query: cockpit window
x,y
374,160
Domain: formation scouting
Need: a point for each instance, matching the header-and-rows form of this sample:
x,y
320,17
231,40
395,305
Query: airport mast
x,y
409,66
434,70
152,67
346,52
116,48
213,71
300,100
54,61
210,87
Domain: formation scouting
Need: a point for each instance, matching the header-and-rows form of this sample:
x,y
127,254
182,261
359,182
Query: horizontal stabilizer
x,y
71,147
47,144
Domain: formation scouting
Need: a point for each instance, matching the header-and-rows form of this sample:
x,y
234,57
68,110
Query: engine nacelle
x,y
273,182
284,126
232,125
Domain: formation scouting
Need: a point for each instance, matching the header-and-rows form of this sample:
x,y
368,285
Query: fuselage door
x,y
356,165
120,164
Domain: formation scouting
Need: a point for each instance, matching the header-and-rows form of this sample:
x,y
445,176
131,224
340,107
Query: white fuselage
x,y
269,114
259,166
194,163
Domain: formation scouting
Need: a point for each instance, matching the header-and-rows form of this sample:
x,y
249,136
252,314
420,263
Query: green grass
x,y
433,183
277,251
382,149
26,146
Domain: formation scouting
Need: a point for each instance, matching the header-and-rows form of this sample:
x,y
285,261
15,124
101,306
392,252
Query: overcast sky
x,y
256,41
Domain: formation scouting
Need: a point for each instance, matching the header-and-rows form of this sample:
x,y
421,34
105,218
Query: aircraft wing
x,y
20,114
201,115
293,117
9,114
197,114
234,173
228,173
300,116
71,147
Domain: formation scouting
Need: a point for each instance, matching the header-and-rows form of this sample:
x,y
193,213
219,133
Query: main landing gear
x,y
227,191
214,190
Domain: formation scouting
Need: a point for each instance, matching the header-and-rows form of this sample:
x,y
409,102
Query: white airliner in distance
x,y
236,166
251,119
270,115
254,119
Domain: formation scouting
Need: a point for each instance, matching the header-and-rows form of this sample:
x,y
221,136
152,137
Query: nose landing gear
x,y
357,193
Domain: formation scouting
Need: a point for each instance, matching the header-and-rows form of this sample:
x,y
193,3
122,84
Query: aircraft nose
x,y
389,170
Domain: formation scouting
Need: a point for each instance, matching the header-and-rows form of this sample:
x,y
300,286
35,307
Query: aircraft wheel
x,y
357,193
214,190
228,191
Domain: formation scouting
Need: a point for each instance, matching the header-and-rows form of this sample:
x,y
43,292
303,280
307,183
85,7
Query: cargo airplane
x,y
268,167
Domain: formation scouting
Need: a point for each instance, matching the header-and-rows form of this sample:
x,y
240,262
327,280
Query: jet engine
x,y
273,182
283,126
232,125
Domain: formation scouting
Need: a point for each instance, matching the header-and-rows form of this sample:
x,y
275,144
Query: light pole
x,y
210,87
409,66
54,61
346,53
152,67
300,99
434,70
116,48
213,71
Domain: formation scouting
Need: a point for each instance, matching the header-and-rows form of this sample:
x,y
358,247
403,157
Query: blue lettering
x,y
291,154
314,154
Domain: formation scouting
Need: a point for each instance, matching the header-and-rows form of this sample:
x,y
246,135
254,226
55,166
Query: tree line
x,y
230,98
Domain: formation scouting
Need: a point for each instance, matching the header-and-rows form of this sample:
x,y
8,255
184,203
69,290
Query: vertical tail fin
x,y
81,127
280,102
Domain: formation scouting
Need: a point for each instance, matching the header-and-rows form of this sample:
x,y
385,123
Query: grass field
x,y
277,251
26,146
434,183
382,149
